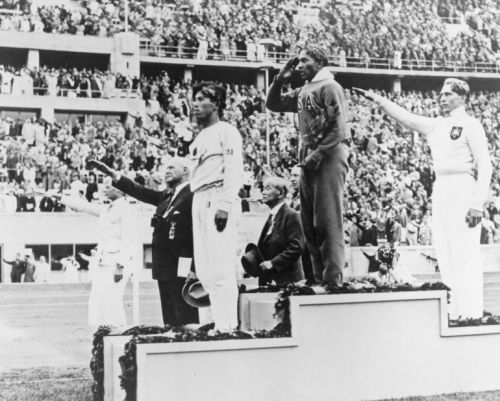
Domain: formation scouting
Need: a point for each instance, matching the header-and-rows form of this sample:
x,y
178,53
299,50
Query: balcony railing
x,y
115,93
174,52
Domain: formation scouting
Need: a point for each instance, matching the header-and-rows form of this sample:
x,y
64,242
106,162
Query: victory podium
x,y
342,347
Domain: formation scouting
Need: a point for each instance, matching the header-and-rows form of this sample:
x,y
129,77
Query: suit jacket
x,y
283,247
172,235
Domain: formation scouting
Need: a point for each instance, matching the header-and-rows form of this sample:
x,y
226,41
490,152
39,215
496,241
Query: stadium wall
x,y
47,106
38,229
122,49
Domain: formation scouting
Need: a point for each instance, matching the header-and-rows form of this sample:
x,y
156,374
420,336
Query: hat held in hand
x,y
251,260
195,295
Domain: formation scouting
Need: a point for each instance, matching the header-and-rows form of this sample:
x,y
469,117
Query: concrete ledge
x,y
56,42
343,347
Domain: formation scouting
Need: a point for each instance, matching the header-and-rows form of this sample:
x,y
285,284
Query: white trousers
x,y
215,257
457,245
106,297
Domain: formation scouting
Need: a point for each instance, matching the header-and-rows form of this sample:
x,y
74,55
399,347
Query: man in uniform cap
x,y
459,146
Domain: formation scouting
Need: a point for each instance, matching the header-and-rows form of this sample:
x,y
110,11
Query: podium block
x,y
342,348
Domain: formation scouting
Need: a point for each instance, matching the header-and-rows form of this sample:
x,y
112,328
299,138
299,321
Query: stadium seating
x,y
378,35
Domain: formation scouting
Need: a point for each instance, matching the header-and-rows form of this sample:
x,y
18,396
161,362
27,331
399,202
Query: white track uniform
x,y
215,181
458,144
118,243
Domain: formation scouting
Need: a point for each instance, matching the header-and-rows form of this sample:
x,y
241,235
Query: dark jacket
x,y
28,203
172,235
90,190
283,247
18,269
369,236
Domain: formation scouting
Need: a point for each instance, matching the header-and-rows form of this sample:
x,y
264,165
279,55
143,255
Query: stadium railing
x,y
174,52
74,93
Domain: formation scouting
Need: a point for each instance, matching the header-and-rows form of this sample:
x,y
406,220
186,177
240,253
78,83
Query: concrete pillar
x,y
396,85
260,80
125,57
33,60
47,112
188,73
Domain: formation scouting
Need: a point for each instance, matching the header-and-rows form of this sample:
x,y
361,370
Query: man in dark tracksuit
x,y
322,112
172,244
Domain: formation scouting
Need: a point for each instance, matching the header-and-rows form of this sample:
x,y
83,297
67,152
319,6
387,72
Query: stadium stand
x,y
393,34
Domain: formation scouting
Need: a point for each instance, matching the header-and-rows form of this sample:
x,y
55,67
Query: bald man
x,y
459,147
172,235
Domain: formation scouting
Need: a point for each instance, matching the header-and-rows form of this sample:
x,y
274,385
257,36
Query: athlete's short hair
x,y
458,86
317,54
216,93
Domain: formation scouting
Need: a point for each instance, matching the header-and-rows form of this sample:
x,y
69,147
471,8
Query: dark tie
x,y
268,228
166,203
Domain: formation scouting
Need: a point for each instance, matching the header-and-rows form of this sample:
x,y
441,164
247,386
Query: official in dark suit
x,y
172,236
281,242
295,205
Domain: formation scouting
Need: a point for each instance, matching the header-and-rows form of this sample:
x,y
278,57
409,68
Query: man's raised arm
x,y
287,102
414,122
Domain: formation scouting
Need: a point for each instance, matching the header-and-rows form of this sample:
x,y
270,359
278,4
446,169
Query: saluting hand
x,y
286,72
473,217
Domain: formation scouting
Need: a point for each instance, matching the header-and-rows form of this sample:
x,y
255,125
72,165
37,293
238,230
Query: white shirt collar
x,y
322,74
179,188
458,111
275,209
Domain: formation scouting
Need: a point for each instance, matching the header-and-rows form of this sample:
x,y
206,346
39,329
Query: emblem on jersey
x,y
456,132
309,104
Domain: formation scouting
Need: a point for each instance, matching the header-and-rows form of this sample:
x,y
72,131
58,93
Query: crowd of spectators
x,y
388,188
70,82
393,29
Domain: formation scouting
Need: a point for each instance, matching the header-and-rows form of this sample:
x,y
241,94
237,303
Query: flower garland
x,y
487,320
128,379
97,362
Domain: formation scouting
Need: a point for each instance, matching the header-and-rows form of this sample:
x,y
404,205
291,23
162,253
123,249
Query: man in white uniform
x,y
117,246
215,182
459,146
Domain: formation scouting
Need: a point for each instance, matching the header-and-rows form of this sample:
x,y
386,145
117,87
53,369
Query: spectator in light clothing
x,y
42,270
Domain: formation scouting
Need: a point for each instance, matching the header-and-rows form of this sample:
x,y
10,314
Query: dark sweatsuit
x,y
322,112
